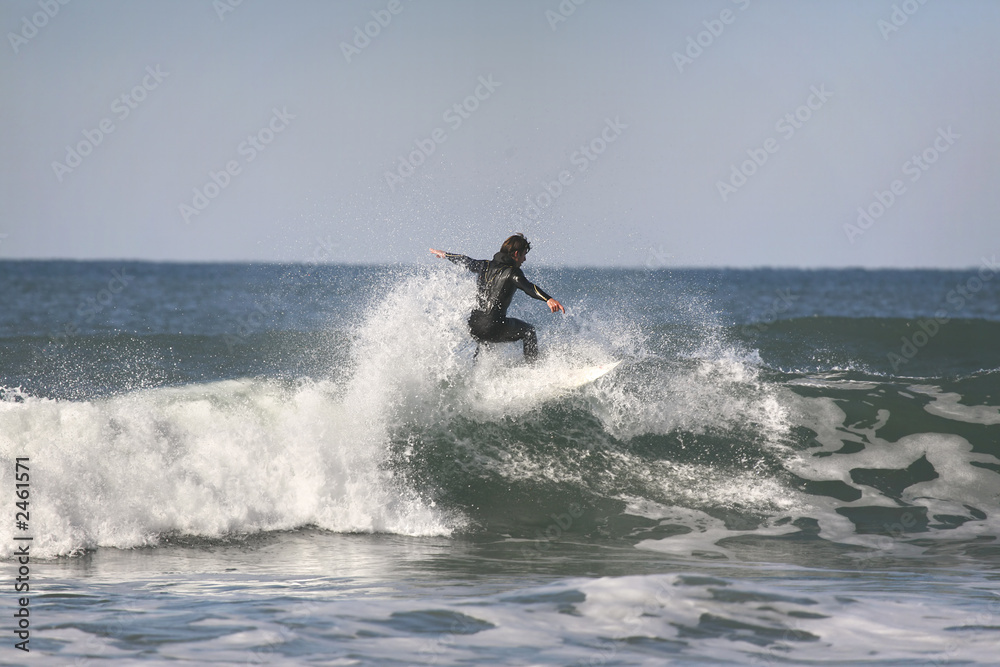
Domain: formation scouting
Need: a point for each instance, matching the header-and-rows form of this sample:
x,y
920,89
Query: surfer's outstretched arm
x,y
536,292
467,262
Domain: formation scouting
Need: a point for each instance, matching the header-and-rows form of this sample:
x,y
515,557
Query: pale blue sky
x,y
649,194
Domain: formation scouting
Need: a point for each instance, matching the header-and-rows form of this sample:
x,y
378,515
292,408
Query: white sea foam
x,y
205,460
949,406
785,623
963,479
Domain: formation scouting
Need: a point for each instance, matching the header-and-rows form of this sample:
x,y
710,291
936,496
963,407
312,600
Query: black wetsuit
x,y
497,280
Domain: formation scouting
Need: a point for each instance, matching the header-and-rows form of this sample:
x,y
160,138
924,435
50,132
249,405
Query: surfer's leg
x,y
515,329
480,330
508,330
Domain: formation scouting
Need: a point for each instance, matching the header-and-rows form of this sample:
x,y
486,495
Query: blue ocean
x,y
250,464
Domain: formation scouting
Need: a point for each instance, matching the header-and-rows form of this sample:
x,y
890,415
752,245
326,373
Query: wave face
x,y
778,433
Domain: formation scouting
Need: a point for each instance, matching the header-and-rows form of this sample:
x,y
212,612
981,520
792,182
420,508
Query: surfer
x,y
497,280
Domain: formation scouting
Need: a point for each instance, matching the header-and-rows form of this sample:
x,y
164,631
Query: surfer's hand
x,y
555,306
438,253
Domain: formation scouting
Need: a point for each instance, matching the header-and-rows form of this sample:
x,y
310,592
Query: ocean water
x,y
262,464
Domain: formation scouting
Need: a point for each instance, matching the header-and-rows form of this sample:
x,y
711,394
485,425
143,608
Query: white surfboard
x,y
578,377
534,383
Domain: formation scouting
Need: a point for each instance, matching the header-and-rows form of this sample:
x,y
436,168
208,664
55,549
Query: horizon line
x,y
624,267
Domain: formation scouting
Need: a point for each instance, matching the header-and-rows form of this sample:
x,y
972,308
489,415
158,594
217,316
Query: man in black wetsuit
x,y
498,278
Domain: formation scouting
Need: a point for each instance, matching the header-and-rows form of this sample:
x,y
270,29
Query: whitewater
x,y
288,464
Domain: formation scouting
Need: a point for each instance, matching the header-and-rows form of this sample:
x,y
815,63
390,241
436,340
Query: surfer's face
x,y
519,257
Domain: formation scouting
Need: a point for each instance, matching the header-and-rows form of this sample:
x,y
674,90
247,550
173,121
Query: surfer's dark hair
x,y
516,243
